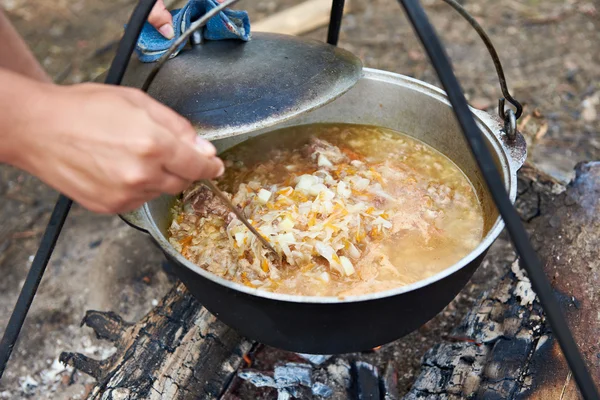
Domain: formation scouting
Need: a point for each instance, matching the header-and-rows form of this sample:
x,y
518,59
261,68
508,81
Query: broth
x,y
353,209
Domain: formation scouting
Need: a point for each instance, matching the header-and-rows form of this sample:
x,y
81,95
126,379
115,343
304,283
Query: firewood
x,y
298,19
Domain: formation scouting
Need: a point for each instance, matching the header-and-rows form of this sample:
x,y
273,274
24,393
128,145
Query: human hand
x,y
111,148
162,20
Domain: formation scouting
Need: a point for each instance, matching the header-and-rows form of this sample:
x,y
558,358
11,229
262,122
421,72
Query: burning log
x,y
178,349
503,348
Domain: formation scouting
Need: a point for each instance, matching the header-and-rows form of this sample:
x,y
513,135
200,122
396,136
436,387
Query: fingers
x,y
182,153
105,207
161,19
160,113
169,119
189,163
170,153
171,184
205,147
97,196
178,126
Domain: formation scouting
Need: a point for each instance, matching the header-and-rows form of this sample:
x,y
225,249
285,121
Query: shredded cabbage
x,y
325,214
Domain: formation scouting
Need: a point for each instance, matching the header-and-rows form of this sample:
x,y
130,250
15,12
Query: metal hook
x,y
510,122
488,43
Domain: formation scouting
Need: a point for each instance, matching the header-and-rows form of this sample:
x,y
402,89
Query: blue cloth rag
x,y
228,24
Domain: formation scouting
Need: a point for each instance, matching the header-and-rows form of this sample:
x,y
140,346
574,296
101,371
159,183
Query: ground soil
x,y
551,55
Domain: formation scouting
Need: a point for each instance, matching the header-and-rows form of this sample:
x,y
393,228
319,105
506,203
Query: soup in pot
x,y
351,209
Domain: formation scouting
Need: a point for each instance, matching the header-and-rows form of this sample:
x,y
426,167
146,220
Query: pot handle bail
x,y
509,116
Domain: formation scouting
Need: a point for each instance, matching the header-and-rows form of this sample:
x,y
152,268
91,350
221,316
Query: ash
x,y
324,377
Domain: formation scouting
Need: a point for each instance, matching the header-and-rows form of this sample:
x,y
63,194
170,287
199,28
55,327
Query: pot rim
x,y
488,123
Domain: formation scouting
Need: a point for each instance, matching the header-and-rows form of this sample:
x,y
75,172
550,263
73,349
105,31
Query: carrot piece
x,y
352,155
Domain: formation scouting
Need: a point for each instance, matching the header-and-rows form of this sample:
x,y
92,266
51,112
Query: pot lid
x,y
229,87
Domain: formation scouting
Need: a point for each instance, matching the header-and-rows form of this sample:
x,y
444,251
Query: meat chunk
x,y
205,203
317,149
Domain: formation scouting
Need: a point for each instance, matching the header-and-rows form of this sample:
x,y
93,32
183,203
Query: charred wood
x,y
178,351
505,348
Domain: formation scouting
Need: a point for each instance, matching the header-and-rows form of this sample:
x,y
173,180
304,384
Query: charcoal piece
x,y
366,378
315,359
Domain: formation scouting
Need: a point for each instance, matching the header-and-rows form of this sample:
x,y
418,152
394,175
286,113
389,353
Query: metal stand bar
x,y
529,259
63,204
34,277
335,22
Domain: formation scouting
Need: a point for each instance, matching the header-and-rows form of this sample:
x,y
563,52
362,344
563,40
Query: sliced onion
x,y
360,183
263,196
353,251
383,222
239,238
324,162
343,190
305,208
347,265
286,225
316,189
324,276
305,182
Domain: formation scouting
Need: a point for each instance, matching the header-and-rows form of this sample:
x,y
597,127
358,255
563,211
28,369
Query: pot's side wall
x,y
315,328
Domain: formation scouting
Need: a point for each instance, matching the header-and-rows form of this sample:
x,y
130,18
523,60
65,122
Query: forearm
x,y
15,55
20,100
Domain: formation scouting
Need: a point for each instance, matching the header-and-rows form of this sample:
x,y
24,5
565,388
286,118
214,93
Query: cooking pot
x,y
329,325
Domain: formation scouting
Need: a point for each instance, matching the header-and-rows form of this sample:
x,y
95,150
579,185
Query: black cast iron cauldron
x,y
328,325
